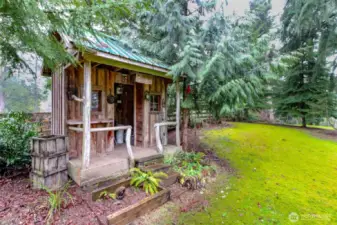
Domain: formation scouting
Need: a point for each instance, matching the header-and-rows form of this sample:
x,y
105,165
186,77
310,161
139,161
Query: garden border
x,y
130,213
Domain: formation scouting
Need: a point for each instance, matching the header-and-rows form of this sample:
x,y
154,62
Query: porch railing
x,y
158,141
128,137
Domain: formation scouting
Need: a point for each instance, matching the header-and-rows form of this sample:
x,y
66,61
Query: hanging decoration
x,y
110,98
147,96
188,89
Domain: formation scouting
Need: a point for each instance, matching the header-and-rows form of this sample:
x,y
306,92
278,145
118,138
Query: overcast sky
x,y
239,6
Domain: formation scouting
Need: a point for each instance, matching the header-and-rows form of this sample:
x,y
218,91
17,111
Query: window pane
x,y
154,103
95,100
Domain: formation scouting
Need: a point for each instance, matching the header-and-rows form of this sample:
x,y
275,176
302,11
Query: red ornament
x,y
188,89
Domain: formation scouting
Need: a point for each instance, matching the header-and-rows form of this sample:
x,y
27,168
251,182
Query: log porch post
x,y
86,115
178,113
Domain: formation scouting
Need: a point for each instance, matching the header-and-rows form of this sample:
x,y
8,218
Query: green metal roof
x,y
108,44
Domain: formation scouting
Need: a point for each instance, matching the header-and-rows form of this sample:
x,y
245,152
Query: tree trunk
x,y
2,97
304,121
245,114
185,120
185,129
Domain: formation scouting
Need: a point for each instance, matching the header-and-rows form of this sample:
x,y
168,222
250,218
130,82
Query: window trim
x,y
158,96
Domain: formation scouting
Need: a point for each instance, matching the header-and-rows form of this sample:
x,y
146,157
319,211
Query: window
x,y
154,103
96,101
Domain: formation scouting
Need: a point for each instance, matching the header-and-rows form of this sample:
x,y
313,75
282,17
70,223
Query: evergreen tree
x,y
263,22
235,76
307,86
27,26
170,32
301,93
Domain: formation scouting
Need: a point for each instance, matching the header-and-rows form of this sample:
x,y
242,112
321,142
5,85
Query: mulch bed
x,y
19,204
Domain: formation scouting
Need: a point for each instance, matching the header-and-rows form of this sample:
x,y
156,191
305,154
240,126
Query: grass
x,y
321,127
314,126
279,170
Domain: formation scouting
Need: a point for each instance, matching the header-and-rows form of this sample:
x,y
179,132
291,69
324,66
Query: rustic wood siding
x,y
158,87
58,125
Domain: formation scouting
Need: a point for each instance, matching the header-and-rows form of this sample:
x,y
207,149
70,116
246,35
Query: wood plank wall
x,y
103,81
158,87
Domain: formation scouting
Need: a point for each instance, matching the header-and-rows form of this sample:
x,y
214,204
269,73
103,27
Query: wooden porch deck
x,y
111,165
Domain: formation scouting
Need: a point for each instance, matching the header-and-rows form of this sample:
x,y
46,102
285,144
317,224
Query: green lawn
x,y
278,171
315,126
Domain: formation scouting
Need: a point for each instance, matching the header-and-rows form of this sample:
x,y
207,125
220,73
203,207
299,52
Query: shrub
x,y
190,165
15,135
148,180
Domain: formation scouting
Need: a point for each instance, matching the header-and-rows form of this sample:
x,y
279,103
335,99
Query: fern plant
x,y
148,180
105,195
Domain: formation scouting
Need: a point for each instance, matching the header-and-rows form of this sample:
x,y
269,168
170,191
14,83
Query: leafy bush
x,y
190,165
15,135
148,180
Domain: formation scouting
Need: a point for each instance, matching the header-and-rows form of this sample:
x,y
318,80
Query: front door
x,y
124,104
139,114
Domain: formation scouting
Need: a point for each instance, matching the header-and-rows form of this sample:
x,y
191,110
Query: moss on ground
x,y
279,170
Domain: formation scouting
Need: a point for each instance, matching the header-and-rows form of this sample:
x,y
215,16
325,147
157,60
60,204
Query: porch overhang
x,y
117,61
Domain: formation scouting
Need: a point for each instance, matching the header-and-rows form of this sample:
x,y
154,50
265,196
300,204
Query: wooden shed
x,y
112,108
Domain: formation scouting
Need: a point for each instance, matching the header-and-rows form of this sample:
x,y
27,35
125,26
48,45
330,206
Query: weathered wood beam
x,y
158,141
128,137
163,131
79,129
97,64
110,128
165,124
126,64
128,147
86,115
146,118
77,98
178,113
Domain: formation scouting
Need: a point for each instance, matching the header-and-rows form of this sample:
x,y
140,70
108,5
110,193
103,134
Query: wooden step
x,y
156,167
110,187
172,177
103,183
153,159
